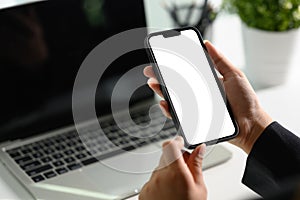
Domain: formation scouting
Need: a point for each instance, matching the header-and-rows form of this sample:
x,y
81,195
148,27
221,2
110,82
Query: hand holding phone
x,y
202,114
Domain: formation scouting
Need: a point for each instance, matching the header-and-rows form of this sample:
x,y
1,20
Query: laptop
x,y
43,45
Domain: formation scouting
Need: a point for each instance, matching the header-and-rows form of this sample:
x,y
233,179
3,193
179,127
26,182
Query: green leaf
x,y
270,15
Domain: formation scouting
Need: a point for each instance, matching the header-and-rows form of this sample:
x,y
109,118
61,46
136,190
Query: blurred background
x,y
260,37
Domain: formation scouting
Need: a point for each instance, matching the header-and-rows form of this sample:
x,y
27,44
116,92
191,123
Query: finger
x,y
155,86
161,164
148,72
195,163
223,65
172,153
144,191
165,108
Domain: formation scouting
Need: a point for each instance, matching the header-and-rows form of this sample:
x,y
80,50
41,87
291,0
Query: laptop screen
x,y
42,47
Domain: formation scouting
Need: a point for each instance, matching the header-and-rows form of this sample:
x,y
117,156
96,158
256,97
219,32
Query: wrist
x,y
258,126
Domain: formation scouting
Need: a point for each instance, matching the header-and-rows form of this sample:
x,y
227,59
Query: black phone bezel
x,y
174,33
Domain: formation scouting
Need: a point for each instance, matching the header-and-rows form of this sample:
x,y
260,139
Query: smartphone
x,y
191,86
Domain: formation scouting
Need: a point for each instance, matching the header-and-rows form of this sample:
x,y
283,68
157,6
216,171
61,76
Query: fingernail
x,y
151,80
202,150
179,138
164,111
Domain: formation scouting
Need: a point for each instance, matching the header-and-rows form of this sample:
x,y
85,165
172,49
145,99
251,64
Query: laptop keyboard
x,y
68,151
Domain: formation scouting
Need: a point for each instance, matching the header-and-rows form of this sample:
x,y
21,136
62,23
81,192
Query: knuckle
x,y
240,73
166,143
156,180
198,162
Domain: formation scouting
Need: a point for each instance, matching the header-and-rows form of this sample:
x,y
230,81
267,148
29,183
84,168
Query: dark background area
x,y
42,48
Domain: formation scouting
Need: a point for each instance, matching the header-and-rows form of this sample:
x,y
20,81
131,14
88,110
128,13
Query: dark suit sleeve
x,y
273,161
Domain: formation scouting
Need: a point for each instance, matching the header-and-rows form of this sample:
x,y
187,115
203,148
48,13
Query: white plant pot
x,y
268,55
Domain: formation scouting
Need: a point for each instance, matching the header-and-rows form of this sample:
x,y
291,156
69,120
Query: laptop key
x,y
134,138
70,135
69,159
80,156
36,147
58,163
89,161
13,150
123,142
31,165
37,155
80,148
57,156
141,143
168,125
38,178
46,159
48,143
69,152
39,170
14,154
61,170
74,166
23,159
26,151
70,144
102,148
128,148
49,151
154,139
50,174
58,140
60,147
164,136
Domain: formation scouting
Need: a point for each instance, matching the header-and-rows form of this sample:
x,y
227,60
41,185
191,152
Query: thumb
x,y
222,64
195,163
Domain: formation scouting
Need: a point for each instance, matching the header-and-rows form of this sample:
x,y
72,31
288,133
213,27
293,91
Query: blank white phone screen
x,y
192,87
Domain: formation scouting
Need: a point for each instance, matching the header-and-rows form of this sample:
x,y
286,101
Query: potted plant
x,y
270,31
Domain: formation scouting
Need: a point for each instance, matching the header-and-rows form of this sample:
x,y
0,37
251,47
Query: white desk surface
x,y
283,103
